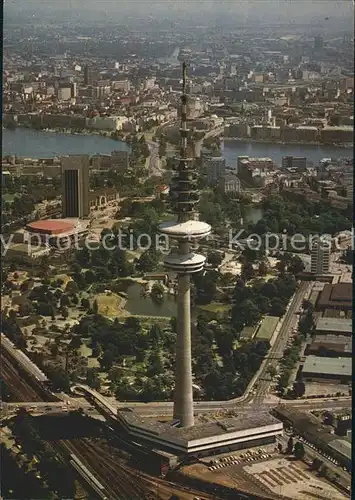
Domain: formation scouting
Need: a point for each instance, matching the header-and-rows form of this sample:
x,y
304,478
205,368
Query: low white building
x,y
106,122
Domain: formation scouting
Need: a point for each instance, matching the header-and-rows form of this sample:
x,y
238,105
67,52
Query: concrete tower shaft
x,y
184,197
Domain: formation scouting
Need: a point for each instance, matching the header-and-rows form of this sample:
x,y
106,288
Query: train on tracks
x,y
89,478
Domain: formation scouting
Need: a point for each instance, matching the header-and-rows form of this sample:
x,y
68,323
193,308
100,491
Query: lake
x,y
313,153
145,306
30,143
39,144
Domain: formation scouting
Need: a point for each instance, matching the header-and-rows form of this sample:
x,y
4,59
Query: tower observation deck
x,y
184,262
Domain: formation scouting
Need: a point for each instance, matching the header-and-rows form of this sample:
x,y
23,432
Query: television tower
x,y
184,262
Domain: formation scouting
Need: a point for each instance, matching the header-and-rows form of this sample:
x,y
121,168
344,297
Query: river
x,y
30,143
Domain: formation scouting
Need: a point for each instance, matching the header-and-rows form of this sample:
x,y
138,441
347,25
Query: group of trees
x,y
48,301
252,302
295,448
220,210
57,476
28,192
292,353
279,214
139,148
101,264
20,480
113,342
221,369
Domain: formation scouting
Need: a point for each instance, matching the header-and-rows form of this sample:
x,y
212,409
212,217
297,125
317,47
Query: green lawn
x,y
109,305
216,307
8,197
267,328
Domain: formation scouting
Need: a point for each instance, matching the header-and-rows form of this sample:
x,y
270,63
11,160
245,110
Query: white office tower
x,y
320,255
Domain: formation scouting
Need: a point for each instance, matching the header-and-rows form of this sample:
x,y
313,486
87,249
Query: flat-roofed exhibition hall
x,y
50,227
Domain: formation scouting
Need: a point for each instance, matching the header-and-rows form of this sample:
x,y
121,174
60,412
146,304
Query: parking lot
x,y
275,473
289,478
240,458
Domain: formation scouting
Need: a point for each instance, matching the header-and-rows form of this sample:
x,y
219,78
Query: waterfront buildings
x,y
255,172
75,186
298,162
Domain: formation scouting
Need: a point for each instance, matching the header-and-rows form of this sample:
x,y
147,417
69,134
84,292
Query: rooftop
x,y
338,296
341,446
50,226
202,430
328,366
333,342
340,325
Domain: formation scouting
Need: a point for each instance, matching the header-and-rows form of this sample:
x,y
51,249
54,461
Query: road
x,y
38,407
289,321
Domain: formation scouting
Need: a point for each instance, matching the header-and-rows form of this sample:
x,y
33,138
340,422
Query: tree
x,y
155,334
95,307
263,269
64,301
307,305
106,361
155,365
54,350
93,379
323,471
71,287
272,371
75,299
247,271
329,418
250,312
75,342
214,258
157,293
299,451
299,389
277,307
97,351
316,464
149,260
58,377
296,265
289,448
85,303
173,324
65,312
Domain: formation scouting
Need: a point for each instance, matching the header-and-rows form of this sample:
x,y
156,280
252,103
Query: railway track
x,y
120,482
20,388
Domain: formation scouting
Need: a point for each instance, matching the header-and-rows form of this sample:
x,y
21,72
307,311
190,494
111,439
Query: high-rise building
x,y
88,75
318,42
215,168
75,186
184,262
320,255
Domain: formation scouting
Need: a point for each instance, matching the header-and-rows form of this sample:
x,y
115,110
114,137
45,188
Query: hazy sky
x,y
240,10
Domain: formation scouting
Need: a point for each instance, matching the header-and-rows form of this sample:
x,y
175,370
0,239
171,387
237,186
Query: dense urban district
x,y
90,313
